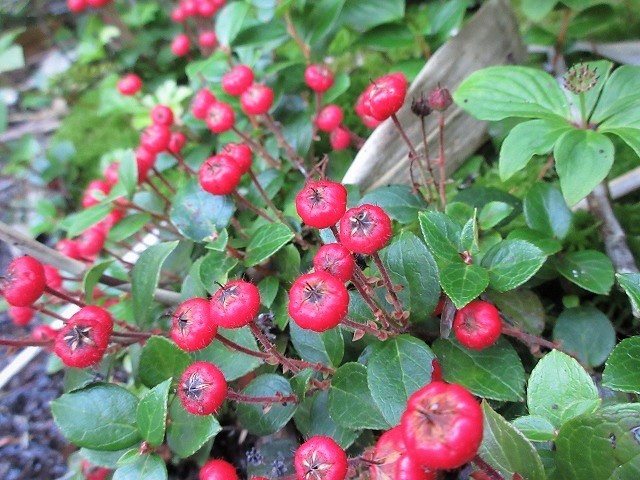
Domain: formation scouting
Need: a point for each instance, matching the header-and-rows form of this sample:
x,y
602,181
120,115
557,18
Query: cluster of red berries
x,y
255,98
186,9
78,6
477,325
382,99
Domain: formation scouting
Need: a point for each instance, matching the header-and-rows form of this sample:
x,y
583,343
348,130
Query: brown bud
x,y
440,99
420,106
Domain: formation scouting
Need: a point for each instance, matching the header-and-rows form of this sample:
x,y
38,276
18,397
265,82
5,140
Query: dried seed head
x,y
580,79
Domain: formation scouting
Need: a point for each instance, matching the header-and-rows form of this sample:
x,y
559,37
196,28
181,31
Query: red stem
x,y
64,296
239,397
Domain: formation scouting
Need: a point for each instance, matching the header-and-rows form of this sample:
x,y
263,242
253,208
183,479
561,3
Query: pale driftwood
x,y
618,187
490,38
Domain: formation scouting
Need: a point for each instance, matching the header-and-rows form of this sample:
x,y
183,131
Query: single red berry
x,y
98,3
24,282
318,77
408,469
91,241
236,81
69,248
21,316
111,174
146,159
340,139
208,39
95,192
235,304
442,426
365,229
257,99
477,325
220,117
190,7
241,154
180,45
440,99
52,277
162,115
201,103
329,118
318,301
206,8
155,138
389,449
192,327
129,84
320,458
177,142
219,175
218,470
77,6
387,96
321,204
336,260
113,217
178,14
83,340
93,472
44,333
219,3
202,388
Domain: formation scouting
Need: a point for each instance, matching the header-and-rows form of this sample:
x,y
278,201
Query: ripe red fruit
x,y
52,277
321,204
178,14
192,327
220,117
21,316
177,142
318,77
329,118
318,301
98,3
320,458
206,8
155,138
236,81
44,333
95,192
387,96
91,241
24,282
365,229
129,84
339,139
218,470
235,304
336,260
257,99
162,115
442,426
391,461
241,154
202,388
219,175
84,339
145,159
77,6
93,472
201,103
69,248
408,469
477,325
208,39
111,174
190,7
180,45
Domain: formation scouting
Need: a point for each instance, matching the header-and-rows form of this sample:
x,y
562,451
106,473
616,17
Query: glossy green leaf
x,y
262,35
232,363
128,172
326,347
631,136
510,263
77,223
215,268
536,429
442,236
161,359
469,235
103,458
362,15
621,91
536,10
323,19
630,282
229,21
493,213
341,83
549,246
266,241
398,201
622,370
523,308
151,414
463,283
147,467
91,278
546,211
186,433
589,269
128,226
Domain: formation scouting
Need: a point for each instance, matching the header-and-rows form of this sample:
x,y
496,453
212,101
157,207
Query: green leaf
x,y
495,372
260,35
469,236
549,246
546,211
160,360
395,370
128,226
187,433
535,137
500,92
341,84
152,413
442,236
493,213
630,282
147,467
215,267
145,276
348,389
229,21
589,269
463,283
386,37
232,363
523,308
622,370
536,429
103,458
362,15
536,10
266,241
398,201
92,277
510,263
77,223
197,214
583,160
100,417
631,136
254,417
323,19
560,389
326,348
128,172
506,449
601,446
621,91
11,58
586,333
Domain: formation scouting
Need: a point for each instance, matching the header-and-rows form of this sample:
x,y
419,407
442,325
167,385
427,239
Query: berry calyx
x,y
83,340
235,304
320,458
321,204
220,117
162,115
339,138
387,96
219,175
237,80
21,316
365,229
477,325
329,118
180,45
24,282
155,138
192,327
202,388
257,99
241,154
129,84
208,39
442,426
318,301
218,470
318,77
201,103
336,260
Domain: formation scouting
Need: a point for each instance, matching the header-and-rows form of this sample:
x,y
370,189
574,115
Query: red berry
x,y
192,327
113,217
24,282
177,142
442,426
339,139
91,241
190,7
162,115
206,8
440,99
241,154
387,96
391,461
111,174
208,39
365,229
202,388
201,103
44,333
220,117
219,175
318,77
318,301
257,99
77,6
180,45
336,260
477,325
236,81
93,472
329,118
320,458
21,316
436,371
98,3
69,248
95,192
408,469
52,277
219,3
155,138
321,204
83,340
129,84
145,159
235,304
218,470
178,14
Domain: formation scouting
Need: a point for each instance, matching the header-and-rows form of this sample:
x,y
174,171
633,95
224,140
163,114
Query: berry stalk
x,y
298,162
273,163
64,296
395,301
239,397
